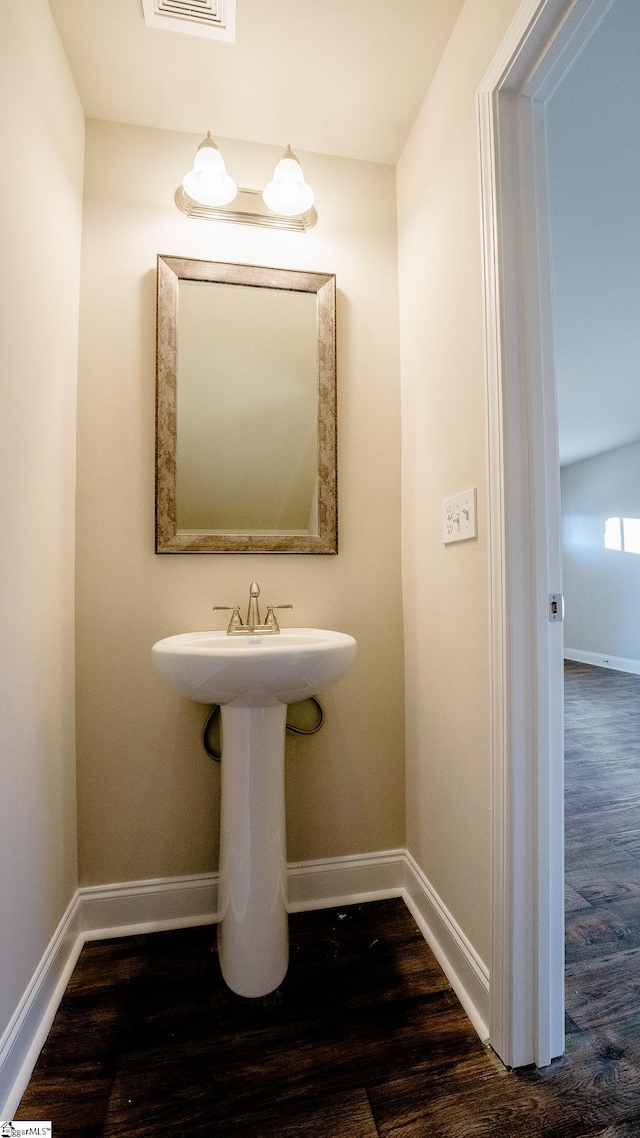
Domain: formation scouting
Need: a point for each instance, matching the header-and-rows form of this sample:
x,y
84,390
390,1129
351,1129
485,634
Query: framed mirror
x,y
245,409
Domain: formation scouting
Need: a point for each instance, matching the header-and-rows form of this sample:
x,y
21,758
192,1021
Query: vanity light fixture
x,y
208,182
208,193
288,193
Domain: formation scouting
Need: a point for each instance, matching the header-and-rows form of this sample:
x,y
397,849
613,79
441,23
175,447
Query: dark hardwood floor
x,y
602,851
365,1038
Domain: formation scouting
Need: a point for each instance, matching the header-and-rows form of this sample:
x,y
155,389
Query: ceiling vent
x,y
214,19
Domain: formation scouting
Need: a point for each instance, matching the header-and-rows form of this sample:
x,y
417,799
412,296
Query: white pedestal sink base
x,y
253,678
253,934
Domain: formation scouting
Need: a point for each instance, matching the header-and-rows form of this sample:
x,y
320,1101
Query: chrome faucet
x,y
253,624
253,612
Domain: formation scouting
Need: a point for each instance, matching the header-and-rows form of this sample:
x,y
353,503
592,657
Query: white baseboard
x,y
465,971
28,1028
601,660
177,902
150,906
345,880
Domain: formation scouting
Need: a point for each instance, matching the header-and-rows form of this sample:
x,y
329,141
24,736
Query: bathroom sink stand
x,y
253,678
253,932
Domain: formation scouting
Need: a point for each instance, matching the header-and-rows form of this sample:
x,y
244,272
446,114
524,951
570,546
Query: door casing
x,y
527,968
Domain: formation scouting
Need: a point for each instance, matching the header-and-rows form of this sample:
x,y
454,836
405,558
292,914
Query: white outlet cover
x,y
459,520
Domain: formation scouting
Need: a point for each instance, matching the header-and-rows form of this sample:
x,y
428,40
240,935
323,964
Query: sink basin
x,y
253,671
253,677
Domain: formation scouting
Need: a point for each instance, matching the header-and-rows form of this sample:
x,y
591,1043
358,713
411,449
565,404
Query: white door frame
x,y
527,970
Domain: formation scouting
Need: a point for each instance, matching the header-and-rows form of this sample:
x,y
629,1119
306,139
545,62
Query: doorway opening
x,y
593,147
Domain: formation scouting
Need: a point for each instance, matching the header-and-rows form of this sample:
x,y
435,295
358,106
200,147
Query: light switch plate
x,y
459,517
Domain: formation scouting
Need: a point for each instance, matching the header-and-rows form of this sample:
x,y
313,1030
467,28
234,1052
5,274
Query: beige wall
x,y
444,452
148,795
41,142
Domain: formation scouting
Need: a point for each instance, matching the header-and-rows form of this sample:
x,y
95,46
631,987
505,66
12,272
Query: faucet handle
x,y
236,619
271,620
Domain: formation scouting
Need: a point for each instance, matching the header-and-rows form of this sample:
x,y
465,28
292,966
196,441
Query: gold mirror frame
x,y
169,539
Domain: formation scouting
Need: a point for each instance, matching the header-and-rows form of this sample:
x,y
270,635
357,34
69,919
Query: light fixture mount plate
x,y
248,208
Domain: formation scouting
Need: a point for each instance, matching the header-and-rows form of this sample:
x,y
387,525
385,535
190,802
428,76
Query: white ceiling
x,y
343,77
594,148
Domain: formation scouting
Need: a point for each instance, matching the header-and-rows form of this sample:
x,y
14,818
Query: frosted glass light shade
x,y
288,194
208,181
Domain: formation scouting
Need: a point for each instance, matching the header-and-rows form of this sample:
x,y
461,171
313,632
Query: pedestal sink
x,y
253,678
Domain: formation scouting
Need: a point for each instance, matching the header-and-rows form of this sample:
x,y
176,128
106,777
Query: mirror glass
x,y
245,409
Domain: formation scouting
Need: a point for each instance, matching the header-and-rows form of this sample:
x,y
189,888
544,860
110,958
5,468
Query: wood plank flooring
x,y
365,1039
602,849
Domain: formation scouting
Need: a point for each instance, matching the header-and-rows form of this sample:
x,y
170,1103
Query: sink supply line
x,y
213,746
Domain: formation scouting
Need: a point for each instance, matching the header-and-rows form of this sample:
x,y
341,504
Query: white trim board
x,y
28,1028
136,907
465,971
600,660
527,990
